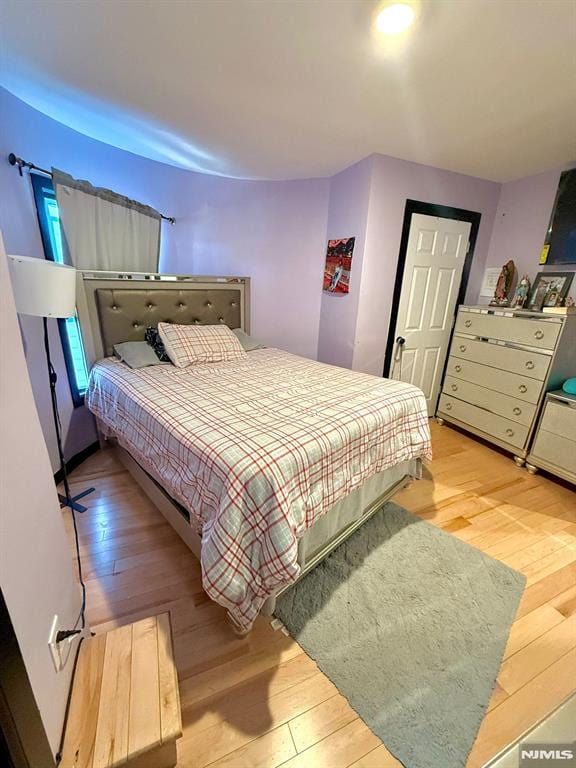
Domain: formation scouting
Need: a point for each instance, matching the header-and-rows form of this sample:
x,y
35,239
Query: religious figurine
x,y
521,295
503,285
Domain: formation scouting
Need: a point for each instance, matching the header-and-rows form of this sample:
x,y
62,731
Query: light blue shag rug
x,y
410,624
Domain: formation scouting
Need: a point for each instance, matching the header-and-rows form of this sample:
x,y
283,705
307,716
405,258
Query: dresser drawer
x,y
494,426
560,419
555,450
510,407
532,364
511,384
534,332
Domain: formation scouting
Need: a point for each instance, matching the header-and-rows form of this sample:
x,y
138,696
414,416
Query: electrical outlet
x,y
53,646
62,651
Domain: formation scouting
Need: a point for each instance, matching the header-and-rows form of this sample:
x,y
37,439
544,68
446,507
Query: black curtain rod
x,y
14,160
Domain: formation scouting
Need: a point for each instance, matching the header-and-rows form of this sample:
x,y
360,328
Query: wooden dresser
x,y
501,364
554,444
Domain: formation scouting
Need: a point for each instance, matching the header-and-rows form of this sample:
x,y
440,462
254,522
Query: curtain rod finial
x,y
13,160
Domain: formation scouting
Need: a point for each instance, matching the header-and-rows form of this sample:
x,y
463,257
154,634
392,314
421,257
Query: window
x,y
49,220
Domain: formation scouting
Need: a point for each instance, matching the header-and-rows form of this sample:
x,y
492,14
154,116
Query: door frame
x,y
22,731
443,212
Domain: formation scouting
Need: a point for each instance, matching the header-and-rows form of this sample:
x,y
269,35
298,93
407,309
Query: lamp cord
x,y
53,378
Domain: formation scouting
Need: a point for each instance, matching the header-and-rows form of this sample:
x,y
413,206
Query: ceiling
x,y
301,88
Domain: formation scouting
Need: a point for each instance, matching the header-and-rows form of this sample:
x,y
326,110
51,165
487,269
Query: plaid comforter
x,y
257,449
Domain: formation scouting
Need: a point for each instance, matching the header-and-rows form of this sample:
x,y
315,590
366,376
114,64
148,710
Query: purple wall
x,y
370,198
393,182
43,141
38,138
347,217
273,232
522,218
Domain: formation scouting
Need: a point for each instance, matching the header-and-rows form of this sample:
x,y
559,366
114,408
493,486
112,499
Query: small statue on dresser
x,y
503,285
521,295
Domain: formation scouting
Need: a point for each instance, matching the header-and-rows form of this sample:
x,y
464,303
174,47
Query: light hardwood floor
x,y
261,701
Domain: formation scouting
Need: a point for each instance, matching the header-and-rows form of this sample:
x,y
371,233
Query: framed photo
x,y
550,289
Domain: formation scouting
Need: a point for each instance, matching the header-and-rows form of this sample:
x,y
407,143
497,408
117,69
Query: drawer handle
x,y
529,365
510,432
523,388
538,334
468,323
462,347
457,368
517,411
448,406
454,387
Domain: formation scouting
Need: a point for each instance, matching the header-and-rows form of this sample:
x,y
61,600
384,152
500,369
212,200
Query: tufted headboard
x,y
114,308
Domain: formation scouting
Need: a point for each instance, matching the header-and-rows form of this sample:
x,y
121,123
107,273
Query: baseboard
x,y
76,460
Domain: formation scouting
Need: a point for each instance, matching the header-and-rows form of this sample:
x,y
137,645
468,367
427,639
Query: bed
x,y
263,465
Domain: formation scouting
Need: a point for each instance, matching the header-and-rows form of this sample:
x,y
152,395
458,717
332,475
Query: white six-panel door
x,y
431,282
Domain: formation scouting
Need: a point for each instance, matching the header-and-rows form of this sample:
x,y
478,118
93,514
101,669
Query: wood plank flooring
x,y
260,701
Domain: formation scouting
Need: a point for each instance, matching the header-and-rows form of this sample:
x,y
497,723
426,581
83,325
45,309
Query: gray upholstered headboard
x,y
114,308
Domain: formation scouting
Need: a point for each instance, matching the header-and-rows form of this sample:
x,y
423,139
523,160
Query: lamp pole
x,y
66,500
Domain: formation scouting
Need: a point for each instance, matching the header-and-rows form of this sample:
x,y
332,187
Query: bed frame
x,y
114,307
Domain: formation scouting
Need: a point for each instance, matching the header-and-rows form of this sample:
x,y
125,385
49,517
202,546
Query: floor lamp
x,y
47,289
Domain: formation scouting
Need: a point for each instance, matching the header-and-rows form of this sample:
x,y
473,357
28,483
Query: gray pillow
x,y
137,354
247,342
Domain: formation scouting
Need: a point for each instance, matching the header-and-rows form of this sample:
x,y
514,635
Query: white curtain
x,y
104,230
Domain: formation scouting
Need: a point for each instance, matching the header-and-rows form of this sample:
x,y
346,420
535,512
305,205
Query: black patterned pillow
x,y
155,342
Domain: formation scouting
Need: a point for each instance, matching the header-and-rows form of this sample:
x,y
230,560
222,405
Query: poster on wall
x,y
338,265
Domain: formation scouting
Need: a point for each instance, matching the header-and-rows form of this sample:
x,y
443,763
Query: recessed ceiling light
x,y
395,18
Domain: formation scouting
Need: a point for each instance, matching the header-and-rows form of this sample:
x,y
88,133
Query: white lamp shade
x,y
42,287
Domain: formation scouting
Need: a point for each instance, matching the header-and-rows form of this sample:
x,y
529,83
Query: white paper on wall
x,y
491,275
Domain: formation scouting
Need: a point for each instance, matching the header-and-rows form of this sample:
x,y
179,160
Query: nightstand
x,y
554,445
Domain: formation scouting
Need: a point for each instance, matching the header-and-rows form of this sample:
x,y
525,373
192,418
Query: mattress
x,y
257,450
351,508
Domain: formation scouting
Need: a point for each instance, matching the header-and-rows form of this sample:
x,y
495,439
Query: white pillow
x,y
248,342
191,344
